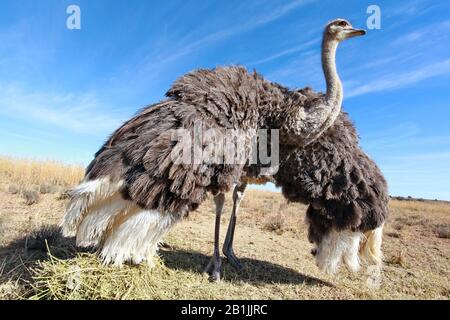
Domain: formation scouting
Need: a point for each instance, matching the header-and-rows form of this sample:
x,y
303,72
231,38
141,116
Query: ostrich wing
x,y
337,177
145,154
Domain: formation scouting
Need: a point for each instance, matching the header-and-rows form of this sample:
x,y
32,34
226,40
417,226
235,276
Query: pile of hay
x,y
84,277
45,265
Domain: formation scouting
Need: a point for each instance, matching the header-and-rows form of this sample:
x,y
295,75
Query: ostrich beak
x,y
355,33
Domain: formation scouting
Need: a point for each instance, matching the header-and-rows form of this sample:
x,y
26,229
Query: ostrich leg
x,y
215,262
238,195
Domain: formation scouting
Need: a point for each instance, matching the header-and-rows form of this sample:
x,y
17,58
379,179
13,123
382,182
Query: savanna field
x,y
36,262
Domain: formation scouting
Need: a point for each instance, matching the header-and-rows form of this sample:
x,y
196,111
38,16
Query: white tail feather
x,y
135,237
84,196
370,251
334,247
122,232
96,221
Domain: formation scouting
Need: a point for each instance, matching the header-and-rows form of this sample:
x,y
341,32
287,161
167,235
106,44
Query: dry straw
x,y
25,172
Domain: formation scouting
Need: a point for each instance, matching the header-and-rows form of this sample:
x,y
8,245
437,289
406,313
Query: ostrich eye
x,y
342,24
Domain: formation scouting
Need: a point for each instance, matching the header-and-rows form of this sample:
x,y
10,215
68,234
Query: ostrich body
x,y
135,189
346,194
291,133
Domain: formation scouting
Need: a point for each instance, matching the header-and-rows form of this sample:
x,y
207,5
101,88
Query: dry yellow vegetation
x,y
37,263
27,172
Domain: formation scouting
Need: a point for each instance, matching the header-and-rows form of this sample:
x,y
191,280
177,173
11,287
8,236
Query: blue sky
x,y
63,91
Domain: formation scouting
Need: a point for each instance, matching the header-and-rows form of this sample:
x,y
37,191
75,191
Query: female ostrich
x,y
346,193
140,184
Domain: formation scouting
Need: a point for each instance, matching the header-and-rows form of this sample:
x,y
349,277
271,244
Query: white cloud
x,y
398,80
425,35
435,156
286,52
254,23
79,113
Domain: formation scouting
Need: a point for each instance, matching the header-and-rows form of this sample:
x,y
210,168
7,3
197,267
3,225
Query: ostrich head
x,y
341,29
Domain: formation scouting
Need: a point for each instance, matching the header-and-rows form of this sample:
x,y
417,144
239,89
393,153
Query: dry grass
x,y
36,262
22,173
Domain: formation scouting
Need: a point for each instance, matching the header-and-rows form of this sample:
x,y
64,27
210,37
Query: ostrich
x,y
143,179
346,193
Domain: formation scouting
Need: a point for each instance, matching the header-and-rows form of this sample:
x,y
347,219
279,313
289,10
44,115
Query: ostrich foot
x,y
213,269
231,257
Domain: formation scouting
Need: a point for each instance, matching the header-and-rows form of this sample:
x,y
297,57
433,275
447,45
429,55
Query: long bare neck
x,y
304,125
334,86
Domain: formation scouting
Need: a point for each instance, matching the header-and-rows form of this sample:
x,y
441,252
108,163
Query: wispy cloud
x,y
411,8
402,12
256,22
436,156
283,53
429,33
303,71
391,136
398,80
154,63
79,113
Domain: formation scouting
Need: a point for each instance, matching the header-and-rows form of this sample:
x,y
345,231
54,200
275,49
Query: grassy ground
x,y
36,262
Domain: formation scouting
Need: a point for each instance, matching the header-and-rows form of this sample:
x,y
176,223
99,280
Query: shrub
x,y
31,197
275,224
443,231
398,259
13,189
45,188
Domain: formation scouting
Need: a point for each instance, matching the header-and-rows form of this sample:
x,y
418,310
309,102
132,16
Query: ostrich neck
x,y
306,125
334,86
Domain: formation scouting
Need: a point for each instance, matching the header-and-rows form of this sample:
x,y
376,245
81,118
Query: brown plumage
x,y
343,187
345,191
135,177
136,189
139,152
